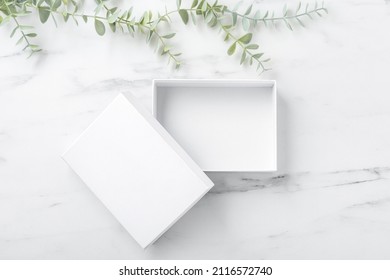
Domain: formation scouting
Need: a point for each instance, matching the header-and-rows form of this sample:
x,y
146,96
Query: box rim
x,y
220,83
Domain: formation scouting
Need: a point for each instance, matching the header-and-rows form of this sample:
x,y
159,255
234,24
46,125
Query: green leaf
x,y
246,38
85,18
178,3
35,47
257,15
299,7
66,16
169,36
165,50
252,47
131,29
300,22
194,4
235,8
124,14
99,27
232,49
20,40
209,17
121,28
56,5
130,13
112,18
43,14
245,24
204,6
98,8
31,35
112,27
288,24
75,20
258,55
25,27
193,18
213,22
199,7
234,18
13,32
243,57
248,10
184,16
54,19
149,37
1,19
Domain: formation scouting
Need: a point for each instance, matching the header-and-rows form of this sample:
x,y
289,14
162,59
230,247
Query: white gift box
x,y
137,170
224,125
148,171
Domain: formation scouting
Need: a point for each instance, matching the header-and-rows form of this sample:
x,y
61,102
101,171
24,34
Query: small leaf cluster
x,y
11,11
250,18
237,24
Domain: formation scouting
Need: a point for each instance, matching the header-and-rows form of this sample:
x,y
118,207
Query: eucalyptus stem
x,y
214,15
307,13
33,48
20,30
165,48
242,45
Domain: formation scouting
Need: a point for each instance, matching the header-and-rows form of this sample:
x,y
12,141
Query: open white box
x,y
224,125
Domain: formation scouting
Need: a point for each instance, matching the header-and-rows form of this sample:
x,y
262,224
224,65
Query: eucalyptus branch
x,y
214,15
253,18
114,18
18,27
244,43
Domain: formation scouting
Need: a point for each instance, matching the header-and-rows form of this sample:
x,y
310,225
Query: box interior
x,y
223,126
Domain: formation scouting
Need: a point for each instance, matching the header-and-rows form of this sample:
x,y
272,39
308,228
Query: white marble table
x,y
330,198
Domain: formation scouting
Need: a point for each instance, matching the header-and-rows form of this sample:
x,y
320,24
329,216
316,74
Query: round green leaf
x,y
184,15
43,15
246,38
56,5
245,23
99,27
168,36
232,49
252,46
194,3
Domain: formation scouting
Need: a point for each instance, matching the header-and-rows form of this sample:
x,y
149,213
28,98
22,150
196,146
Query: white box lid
x,y
137,170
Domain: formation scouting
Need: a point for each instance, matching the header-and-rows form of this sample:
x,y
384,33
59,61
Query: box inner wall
x,y
221,128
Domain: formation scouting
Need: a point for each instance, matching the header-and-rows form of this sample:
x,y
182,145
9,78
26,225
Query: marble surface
x,y
330,198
